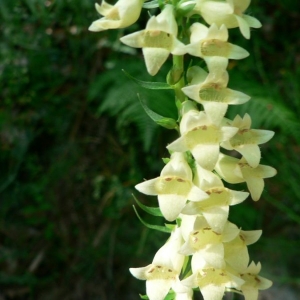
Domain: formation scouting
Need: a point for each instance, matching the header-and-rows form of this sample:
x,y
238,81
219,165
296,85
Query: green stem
x,y
178,70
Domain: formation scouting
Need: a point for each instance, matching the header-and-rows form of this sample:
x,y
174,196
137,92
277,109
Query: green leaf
x,y
148,84
171,295
161,3
155,227
154,211
168,123
151,4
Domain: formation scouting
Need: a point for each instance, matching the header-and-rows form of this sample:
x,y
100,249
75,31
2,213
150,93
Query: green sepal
x,y
191,161
171,295
168,123
154,211
174,75
186,269
178,104
166,160
150,226
161,3
165,122
148,84
184,7
151,4
187,106
171,226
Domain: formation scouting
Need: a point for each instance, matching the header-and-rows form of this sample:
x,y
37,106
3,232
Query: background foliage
x,y
74,141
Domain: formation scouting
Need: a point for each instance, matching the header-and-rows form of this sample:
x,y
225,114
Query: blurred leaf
x,y
155,227
149,85
154,211
158,119
150,4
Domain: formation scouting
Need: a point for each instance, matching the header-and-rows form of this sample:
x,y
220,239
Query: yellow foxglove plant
x,y
204,251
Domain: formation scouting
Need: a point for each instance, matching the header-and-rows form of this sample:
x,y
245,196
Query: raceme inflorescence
x,y
204,251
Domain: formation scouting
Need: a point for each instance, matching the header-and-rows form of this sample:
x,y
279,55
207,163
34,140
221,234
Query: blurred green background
x,y
75,141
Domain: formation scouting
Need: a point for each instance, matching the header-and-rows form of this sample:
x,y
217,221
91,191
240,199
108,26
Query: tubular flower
x,y
246,140
235,170
212,281
158,40
211,91
174,187
211,44
123,14
236,251
164,270
229,13
182,292
253,282
201,137
215,208
205,243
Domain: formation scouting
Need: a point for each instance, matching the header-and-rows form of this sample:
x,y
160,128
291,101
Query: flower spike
x,y
205,251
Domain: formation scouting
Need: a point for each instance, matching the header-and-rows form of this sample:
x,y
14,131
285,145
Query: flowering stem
x,y
204,247
178,69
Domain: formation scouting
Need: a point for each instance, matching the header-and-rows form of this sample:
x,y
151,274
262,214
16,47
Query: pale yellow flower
x,y
200,136
182,292
123,14
211,45
212,282
174,187
253,282
210,89
215,208
246,140
203,242
235,170
236,251
229,12
158,40
164,271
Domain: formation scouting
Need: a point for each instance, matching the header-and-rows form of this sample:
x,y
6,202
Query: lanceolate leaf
x,y
154,211
168,123
148,84
150,4
155,227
